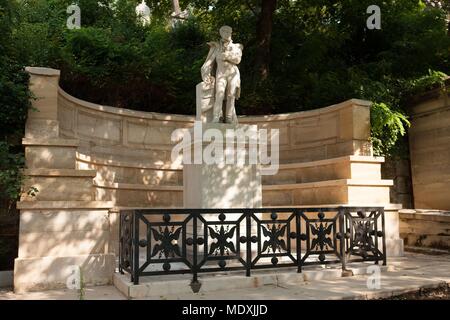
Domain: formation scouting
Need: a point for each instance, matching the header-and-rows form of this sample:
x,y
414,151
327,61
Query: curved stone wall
x,y
130,150
337,130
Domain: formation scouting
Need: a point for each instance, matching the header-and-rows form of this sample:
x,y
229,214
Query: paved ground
x,y
405,274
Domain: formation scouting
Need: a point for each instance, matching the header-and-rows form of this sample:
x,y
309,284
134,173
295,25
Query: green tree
x,y
14,103
310,53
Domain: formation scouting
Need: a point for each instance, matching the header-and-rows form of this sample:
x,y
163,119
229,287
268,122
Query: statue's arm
x,y
235,55
209,62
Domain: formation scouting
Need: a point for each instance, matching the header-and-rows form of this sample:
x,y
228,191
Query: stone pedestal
x,y
222,184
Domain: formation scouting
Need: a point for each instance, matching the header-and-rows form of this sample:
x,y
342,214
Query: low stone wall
x,y
425,228
338,130
429,140
399,171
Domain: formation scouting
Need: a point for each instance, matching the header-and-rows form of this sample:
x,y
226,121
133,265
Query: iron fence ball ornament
x,y
321,215
143,243
222,263
166,266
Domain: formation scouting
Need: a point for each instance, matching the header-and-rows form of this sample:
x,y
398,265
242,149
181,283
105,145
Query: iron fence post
x,y
383,230
249,243
195,249
298,242
341,213
120,243
135,247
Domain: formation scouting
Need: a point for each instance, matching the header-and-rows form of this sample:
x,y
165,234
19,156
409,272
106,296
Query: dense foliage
x,y
14,104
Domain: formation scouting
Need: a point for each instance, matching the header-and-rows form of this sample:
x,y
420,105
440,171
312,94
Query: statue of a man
x,y
223,58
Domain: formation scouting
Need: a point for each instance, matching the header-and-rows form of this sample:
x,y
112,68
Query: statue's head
x,y
225,33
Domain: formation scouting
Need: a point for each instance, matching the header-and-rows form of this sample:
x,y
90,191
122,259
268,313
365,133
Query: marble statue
x,y
222,60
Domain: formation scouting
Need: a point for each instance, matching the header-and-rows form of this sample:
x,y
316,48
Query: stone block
x,y
63,220
368,195
222,185
40,129
59,244
59,188
54,157
45,89
361,170
140,197
46,273
99,127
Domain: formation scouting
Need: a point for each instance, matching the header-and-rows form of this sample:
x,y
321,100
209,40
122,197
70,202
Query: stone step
x,y
50,153
59,184
349,167
347,191
131,172
163,173
342,191
138,195
126,156
166,285
42,172
53,205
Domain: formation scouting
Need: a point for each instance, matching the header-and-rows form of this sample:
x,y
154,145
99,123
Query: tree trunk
x,y
176,7
263,37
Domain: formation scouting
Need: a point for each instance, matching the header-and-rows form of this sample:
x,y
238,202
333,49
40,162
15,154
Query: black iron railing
x,y
174,241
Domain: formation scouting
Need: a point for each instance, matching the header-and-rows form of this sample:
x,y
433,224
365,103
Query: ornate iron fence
x,y
175,241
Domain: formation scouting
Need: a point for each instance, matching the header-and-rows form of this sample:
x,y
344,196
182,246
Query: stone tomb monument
x,y
224,182
225,172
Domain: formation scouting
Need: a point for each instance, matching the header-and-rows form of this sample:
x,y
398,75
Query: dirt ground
x,y
440,293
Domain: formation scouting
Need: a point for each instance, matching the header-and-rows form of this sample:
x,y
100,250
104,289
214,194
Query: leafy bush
x,y
11,177
387,126
14,105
